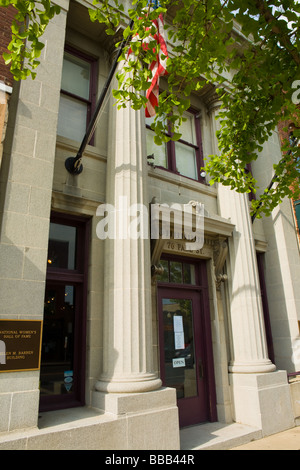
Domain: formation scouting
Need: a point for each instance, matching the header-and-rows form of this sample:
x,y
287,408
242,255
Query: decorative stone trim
x,y
215,247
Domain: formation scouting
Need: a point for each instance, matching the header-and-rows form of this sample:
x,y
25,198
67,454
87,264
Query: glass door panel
x,y
57,365
180,370
182,351
63,359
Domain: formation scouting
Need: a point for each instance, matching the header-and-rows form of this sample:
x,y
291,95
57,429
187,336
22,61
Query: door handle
x,y
200,368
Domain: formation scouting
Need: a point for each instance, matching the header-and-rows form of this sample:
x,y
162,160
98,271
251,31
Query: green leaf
x,y
253,73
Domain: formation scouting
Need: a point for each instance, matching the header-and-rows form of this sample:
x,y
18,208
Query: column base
x,y
150,419
252,367
132,384
262,401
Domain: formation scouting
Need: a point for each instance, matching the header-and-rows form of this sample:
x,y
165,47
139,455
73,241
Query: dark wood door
x,y
183,354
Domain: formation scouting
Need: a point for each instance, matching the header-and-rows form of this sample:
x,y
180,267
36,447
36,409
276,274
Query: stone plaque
x,y
20,345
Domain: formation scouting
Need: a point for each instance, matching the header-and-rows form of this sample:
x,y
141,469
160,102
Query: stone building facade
x,y
134,351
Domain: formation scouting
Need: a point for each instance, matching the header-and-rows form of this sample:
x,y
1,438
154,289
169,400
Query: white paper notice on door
x,y
178,332
179,340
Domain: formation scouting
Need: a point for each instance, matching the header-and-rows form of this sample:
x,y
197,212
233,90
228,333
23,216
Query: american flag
x,y
158,66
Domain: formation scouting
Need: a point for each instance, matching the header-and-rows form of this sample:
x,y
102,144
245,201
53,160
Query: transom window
x,y
62,246
183,156
177,272
77,95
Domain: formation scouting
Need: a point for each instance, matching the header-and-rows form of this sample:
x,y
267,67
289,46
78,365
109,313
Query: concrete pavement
x,y
286,440
235,436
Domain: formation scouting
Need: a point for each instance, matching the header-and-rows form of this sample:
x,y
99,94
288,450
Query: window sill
x,y
183,181
73,147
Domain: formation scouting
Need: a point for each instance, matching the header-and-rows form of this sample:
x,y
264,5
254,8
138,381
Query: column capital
x,y
210,98
111,48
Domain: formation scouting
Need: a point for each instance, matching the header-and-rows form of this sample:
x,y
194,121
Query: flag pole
x,y
73,164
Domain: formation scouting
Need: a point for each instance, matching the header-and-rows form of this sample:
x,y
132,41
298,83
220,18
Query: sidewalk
x,y
235,436
286,440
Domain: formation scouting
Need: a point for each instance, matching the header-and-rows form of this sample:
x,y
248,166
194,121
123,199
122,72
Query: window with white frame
x,y
77,96
184,156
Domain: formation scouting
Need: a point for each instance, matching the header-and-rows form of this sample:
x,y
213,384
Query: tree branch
x,y
283,37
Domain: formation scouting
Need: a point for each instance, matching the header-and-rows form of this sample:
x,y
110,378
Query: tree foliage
x,y
248,49
30,22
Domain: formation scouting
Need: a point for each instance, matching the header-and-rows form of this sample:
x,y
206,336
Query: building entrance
x,y
185,340
62,376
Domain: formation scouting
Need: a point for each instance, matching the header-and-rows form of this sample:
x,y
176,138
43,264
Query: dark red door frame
x,y
78,278
178,290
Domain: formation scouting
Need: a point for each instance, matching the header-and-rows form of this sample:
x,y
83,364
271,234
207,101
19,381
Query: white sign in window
x,y
178,362
178,332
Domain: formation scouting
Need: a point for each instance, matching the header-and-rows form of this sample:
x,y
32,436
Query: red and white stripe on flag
x,y
158,67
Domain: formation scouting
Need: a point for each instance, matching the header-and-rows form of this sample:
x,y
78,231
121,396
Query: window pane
x,y
189,274
175,272
164,277
62,246
57,375
186,160
187,129
72,118
76,76
159,151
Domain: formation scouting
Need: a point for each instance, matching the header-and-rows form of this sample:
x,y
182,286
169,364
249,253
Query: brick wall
x,y
281,129
6,17
283,125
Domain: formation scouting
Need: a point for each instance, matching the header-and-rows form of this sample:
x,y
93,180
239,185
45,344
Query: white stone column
x,y
127,353
260,395
249,346
250,353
